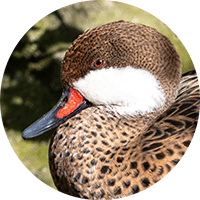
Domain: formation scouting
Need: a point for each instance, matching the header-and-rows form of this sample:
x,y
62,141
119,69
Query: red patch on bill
x,y
75,99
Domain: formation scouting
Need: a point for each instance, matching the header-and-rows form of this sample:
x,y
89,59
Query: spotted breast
x,y
126,115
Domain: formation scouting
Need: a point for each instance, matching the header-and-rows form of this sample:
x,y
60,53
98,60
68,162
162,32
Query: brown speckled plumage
x,y
97,154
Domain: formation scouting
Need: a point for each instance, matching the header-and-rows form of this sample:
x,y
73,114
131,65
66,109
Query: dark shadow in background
x,y
31,92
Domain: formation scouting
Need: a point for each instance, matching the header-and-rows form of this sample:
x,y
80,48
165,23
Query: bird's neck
x,y
133,126
102,124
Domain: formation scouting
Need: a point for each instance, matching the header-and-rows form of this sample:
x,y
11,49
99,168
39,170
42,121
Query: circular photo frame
x,y
129,105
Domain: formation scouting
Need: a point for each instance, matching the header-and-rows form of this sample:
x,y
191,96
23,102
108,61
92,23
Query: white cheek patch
x,y
128,91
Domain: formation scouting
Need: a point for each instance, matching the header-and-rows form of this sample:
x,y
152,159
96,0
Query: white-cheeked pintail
x,y
126,115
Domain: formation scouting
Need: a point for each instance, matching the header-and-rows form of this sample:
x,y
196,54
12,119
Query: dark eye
x,y
98,63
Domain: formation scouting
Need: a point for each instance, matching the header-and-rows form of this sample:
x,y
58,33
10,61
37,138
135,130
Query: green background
x,y
31,82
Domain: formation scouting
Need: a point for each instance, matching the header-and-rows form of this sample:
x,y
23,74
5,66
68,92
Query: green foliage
x,y
31,83
33,154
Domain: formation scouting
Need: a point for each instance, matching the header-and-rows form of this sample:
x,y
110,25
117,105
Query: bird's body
x,y
139,119
97,154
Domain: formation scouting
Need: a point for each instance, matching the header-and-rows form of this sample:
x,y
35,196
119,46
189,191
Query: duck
x,y
126,116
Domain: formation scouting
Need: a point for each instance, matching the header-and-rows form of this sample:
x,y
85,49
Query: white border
x,y
17,17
